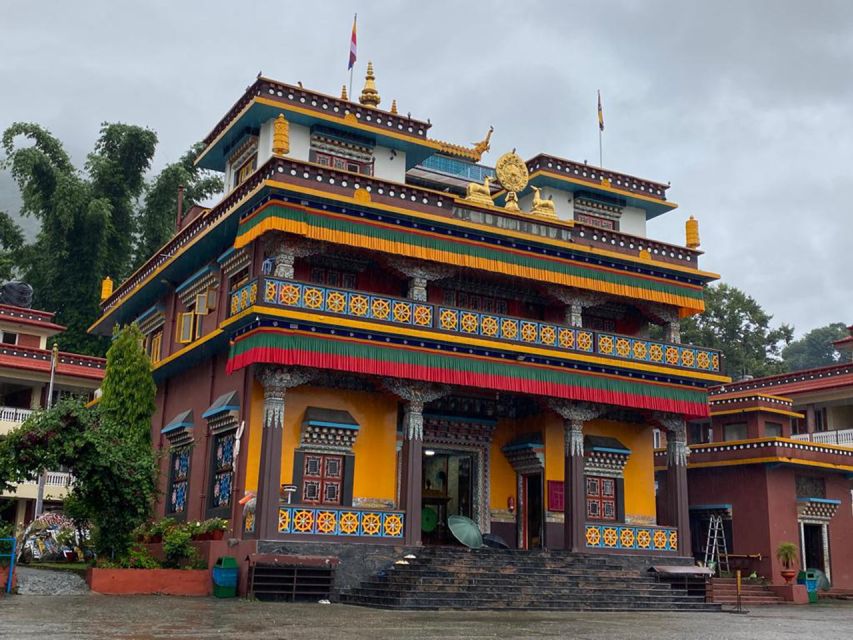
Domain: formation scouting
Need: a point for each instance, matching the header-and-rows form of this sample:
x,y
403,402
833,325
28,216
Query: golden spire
x,y
691,231
280,136
106,288
344,95
369,95
394,107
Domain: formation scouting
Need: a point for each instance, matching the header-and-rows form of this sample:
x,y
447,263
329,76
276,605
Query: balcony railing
x,y
423,315
58,479
13,414
841,437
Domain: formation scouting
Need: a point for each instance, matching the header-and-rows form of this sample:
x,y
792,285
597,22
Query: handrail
x,y
369,306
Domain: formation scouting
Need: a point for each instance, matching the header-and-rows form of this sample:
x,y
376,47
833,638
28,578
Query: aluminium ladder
x,y
716,551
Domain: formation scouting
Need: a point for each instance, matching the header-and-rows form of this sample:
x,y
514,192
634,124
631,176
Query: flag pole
x,y
600,156
600,131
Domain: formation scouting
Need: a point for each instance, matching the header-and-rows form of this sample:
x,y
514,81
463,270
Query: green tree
x,y
128,388
736,324
159,211
815,349
87,219
109,454
11,241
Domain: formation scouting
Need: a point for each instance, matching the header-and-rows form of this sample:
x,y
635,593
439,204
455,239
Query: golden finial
x,y
484,145
106,288
691,231
369,95
280,136
344,95
394,107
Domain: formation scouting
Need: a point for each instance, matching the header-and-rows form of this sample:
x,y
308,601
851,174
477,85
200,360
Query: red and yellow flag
x,y
352,45
600,112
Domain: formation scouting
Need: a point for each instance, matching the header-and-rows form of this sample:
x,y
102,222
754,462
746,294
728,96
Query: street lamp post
x,y
54,357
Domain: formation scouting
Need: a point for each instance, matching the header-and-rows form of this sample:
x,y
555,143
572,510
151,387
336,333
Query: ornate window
x,y
223,470
322,478
223,420
333,277
179,478
601,498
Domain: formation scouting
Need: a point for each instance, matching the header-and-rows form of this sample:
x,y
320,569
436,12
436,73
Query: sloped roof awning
x,y
223,404
603,444
330,418
179,429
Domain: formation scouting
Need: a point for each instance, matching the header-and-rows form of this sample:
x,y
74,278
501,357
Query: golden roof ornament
x,y
344,95
484,145
394,107
480,193
369,95
691,231
280,136
513,175
541,206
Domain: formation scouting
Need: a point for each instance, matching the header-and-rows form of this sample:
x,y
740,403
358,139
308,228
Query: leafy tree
x,y
87,220
11,241
815,349
157,217
128,388
109,453
735,323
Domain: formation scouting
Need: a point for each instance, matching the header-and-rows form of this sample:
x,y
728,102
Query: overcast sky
x,y
746,107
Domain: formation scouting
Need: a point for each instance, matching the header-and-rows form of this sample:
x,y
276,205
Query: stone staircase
x,y
456,578
724,591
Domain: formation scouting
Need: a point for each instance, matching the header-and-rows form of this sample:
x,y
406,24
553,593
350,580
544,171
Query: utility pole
x,y
54,357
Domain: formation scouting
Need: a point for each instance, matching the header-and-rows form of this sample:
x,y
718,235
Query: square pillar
x,y
676,480
574,490
276,381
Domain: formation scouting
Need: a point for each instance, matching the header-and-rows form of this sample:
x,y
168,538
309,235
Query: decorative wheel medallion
x,y
269,292
644,538
673,539
509,329
528,332
567,338
593,537
687,358
393,525
326,522
380,308
640,350
349,523
489,326
660,539
512,172
672,355
547,335
626,538
605,344
358,305
336,302
469,322
623,347
585,341
656,353
303,521
703,360
423,316
402,312
448,320
371,524
289,294
610,537
283,520
313,298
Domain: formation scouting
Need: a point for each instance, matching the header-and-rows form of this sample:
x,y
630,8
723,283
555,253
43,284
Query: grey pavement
x,y
43,582
155,617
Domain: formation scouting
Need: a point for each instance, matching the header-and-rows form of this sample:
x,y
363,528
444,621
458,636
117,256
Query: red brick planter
x,y
172,582
4,575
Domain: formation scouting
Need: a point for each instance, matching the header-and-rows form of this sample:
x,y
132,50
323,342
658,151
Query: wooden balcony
x,y
277,292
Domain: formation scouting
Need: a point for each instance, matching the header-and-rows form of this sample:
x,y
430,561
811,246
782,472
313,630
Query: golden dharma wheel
x,y
512,172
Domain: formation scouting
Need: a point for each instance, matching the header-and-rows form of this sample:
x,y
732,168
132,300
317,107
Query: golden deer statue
x,y
542,207
480,193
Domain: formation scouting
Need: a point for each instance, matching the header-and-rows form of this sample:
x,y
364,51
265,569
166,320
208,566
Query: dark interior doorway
x,y
813,546
533,517
448,489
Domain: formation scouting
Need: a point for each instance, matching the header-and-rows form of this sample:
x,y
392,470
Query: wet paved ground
x,y
154,617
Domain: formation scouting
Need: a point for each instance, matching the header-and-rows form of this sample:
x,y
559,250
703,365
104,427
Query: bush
x,y
177,547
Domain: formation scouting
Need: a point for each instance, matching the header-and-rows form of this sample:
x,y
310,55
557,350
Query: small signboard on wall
x,y
556,500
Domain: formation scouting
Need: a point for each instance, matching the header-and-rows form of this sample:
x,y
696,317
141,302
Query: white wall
x,y
300,142
563,202
633,221
389,166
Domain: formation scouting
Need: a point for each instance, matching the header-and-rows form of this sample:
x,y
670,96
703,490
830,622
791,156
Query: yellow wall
x,y
503,480
375,474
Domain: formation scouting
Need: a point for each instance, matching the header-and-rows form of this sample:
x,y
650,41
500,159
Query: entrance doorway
x,y
448,489
813,546
532,517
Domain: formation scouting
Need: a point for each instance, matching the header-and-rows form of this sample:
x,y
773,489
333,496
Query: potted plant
x,y
786,554
216,527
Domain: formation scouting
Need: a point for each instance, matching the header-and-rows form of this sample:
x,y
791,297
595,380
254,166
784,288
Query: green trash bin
x,y
225,577
810,578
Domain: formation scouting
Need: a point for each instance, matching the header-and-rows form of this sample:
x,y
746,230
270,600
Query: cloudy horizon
x,y
744,107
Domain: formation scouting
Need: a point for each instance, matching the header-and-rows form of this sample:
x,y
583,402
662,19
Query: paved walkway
x,y
44,582
157,617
